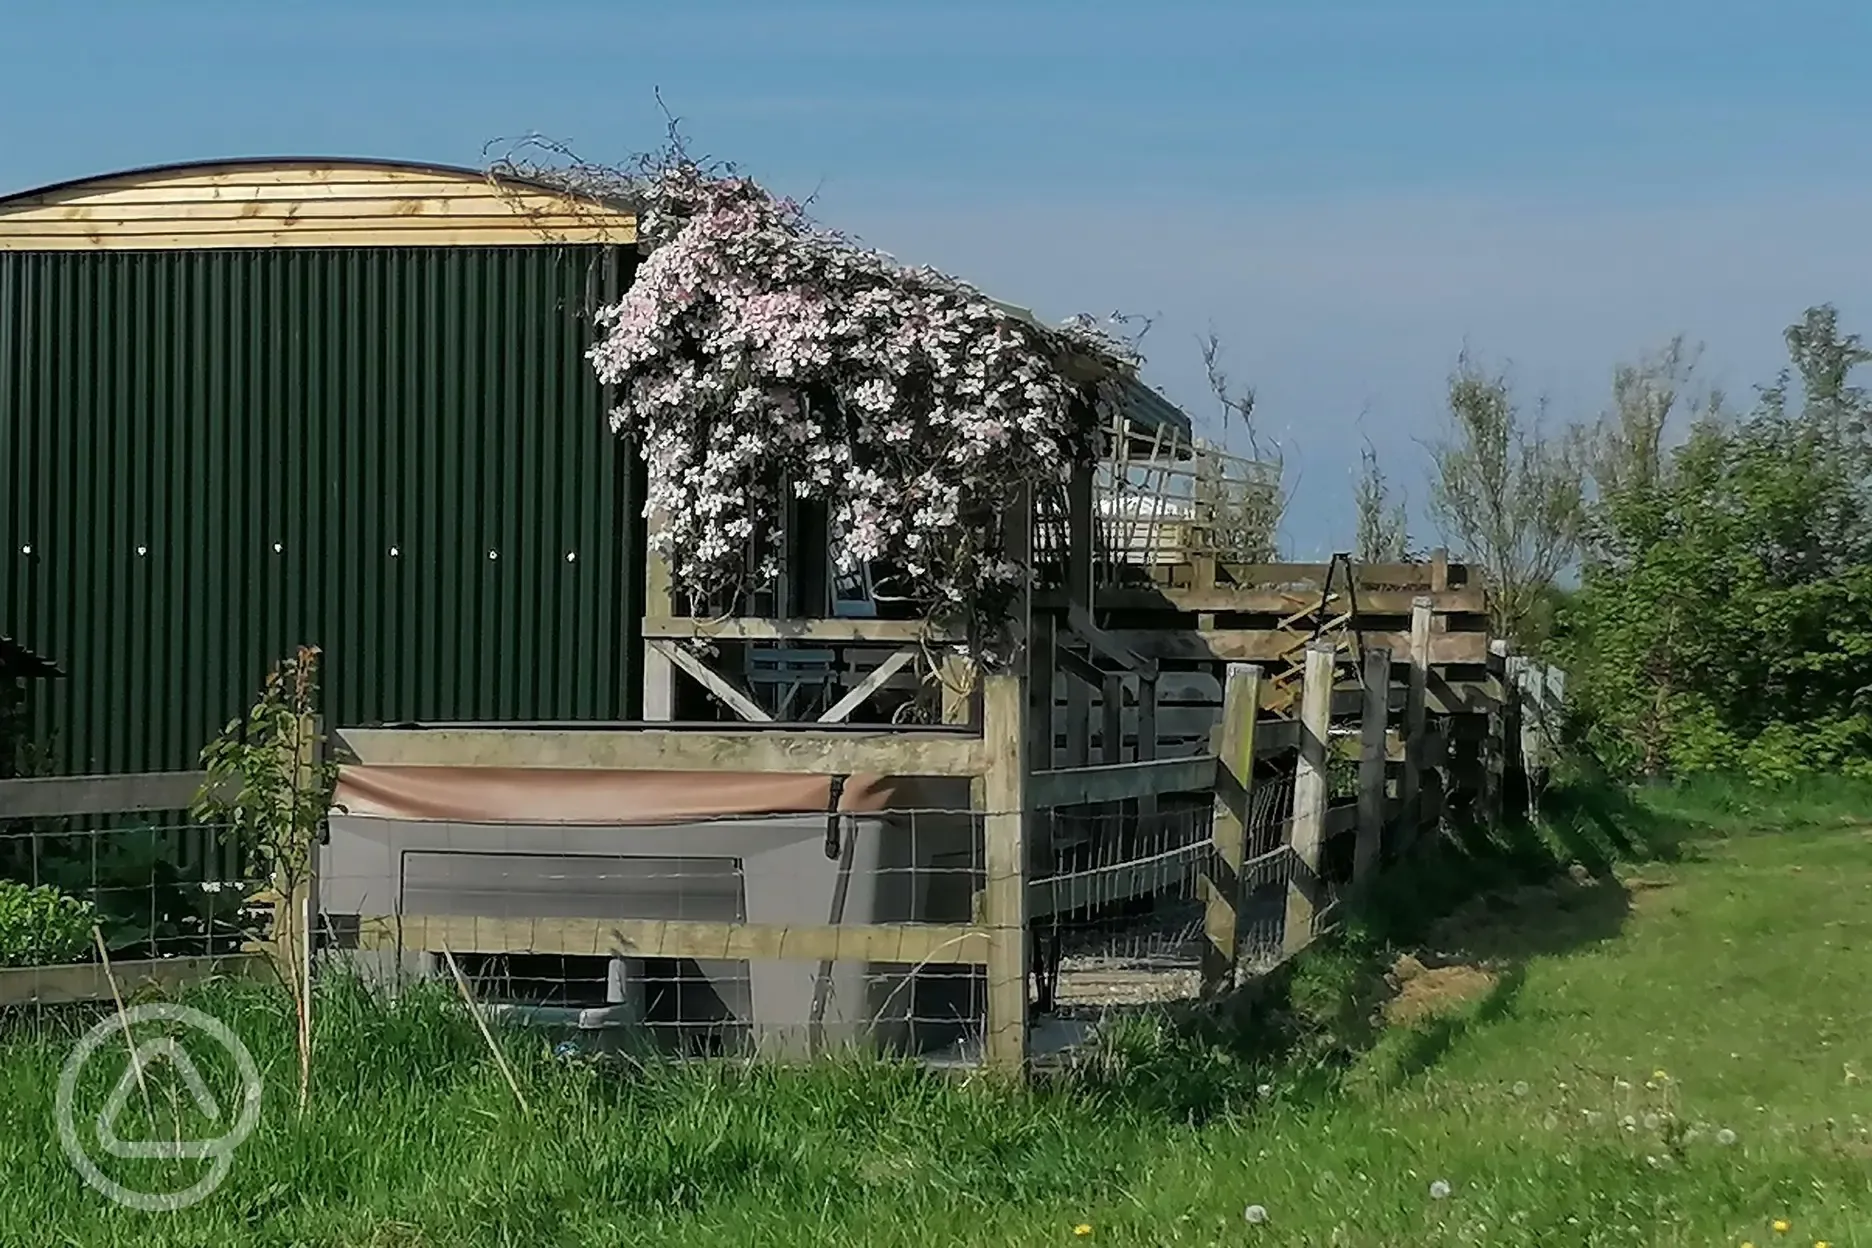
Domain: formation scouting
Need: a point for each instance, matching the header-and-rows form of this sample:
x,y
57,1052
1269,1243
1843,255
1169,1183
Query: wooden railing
x,y
71,797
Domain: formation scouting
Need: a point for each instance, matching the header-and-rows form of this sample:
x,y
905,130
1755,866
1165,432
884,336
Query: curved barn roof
x,y
316,201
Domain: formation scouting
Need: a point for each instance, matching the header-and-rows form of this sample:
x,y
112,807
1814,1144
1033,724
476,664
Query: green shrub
x,y
40,926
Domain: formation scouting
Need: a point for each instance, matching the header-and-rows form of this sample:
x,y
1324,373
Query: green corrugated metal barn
x,y
248,405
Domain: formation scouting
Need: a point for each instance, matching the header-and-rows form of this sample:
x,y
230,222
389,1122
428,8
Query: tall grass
x,y
1732,959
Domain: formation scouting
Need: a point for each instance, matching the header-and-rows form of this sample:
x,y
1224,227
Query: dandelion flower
x,y
1659,1075
1439,1190
1780,1226
1084,1228
1257,1214
1725,1137
1821,1243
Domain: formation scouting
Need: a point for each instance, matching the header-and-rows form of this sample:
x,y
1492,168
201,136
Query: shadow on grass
x,y
1430,1042
1451,926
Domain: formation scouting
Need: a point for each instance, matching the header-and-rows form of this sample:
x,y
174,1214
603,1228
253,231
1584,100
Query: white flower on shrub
x,y
753,348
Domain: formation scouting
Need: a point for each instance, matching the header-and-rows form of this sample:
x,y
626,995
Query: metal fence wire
x,y
152,887
786,935
777,935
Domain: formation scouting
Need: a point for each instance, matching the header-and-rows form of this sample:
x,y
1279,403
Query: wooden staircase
x,y
1334,617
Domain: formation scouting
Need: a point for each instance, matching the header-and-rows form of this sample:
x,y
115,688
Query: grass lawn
x,y
1678,1053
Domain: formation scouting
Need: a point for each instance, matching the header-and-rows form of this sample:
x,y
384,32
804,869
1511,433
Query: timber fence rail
x,y
172,899
1258,839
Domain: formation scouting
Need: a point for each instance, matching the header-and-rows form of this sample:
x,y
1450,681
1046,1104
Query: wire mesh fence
x,y
152,888
1116,907
97,910
792,934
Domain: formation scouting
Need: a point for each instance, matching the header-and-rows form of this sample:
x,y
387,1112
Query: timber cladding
x,y
392,448
320,203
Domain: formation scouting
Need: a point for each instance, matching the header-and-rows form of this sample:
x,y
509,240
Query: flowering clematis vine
x,y
755,353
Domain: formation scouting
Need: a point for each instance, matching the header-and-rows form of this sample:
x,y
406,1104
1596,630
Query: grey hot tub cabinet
x,y
772,869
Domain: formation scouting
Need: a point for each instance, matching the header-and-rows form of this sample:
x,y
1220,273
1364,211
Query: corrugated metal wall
x,y
399,455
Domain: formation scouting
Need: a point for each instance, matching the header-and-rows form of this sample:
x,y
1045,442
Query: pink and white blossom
x,y
754,352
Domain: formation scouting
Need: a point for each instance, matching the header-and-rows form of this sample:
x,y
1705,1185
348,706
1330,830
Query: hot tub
x,y
539,843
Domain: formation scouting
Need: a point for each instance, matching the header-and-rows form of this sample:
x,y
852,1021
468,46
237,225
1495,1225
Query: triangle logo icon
x,y
142,1059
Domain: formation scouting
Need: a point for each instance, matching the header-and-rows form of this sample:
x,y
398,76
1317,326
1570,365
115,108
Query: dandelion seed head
x,y
1521,1088
1439,1190
1257,1214
1725,1137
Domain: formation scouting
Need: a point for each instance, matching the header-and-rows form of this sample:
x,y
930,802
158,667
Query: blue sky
x,y
1346,191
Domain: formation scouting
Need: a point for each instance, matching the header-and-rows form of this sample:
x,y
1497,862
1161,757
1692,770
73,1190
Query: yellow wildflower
x,y
1084,1228
1781,1226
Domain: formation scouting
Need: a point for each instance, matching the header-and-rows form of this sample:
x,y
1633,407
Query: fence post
x,y
1004,832
1042,687
1228,834
1007,748
659,674
1410,787
1495,764
1310,796
1372,732
1147,737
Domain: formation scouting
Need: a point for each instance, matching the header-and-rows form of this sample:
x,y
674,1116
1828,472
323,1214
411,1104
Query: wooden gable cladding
x,y
303,203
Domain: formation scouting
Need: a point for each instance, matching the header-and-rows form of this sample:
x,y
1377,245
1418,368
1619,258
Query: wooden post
x,y
1147,736
1228,836
1081,537
1495,746
1416,704
1310,796
1517,793
1371,796
1078,552
1078,723
1043,687
1111,708
1439,570
1007,739
1004,905
659,674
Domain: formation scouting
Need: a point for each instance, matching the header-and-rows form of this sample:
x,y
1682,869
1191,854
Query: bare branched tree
x,y
1507,493
1237,403
1383,523
1246,499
